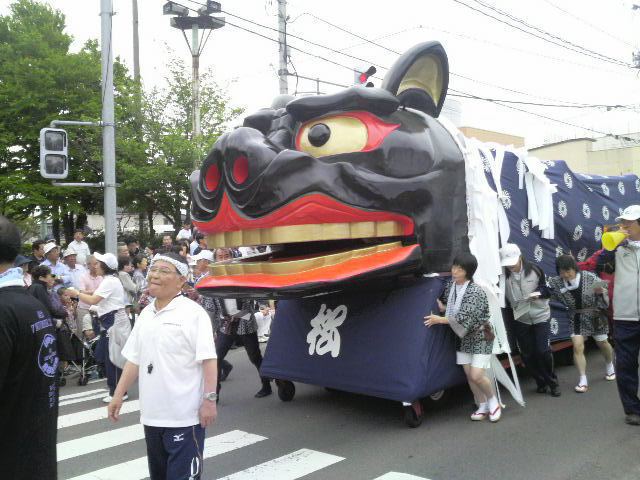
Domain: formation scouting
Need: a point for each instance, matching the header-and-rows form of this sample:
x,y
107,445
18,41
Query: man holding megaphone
x,y
624,260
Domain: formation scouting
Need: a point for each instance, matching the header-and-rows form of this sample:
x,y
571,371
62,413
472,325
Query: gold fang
x,y
305,233
297,266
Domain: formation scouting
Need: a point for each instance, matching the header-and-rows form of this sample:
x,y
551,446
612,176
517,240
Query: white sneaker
x,y
481,413
262,339
108,398
496,414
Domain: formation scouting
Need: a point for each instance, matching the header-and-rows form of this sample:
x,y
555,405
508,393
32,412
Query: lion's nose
x,y
240,169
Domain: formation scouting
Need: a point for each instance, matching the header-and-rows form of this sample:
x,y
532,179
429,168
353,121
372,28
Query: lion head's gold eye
x,y
332,136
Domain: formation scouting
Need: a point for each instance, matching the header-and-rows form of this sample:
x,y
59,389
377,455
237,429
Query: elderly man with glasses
x,y
172,354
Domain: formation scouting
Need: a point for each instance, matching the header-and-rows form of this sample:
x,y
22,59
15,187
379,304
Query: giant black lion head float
x,y
351,188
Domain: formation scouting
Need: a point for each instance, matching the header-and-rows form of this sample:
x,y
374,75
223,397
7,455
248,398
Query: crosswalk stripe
x,y
97,380
288,467
100,413
82,399
399,476
99,441
137,469
81,394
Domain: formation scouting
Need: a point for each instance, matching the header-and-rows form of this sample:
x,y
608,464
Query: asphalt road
x,y
333,435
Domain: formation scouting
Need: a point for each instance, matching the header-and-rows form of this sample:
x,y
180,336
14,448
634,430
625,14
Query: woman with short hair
x,y
466,311
587,303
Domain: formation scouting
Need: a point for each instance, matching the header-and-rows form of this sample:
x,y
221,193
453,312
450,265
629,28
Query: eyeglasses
x,y
162,271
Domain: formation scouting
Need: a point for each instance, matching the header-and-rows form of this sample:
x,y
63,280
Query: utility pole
x,y
204,21
195,83
136,42
136,78
282,45
108,130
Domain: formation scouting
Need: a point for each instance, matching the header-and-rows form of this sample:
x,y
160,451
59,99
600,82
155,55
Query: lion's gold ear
x,y
420,78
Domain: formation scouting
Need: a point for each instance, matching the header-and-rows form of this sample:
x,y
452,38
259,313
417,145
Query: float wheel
x,y
286,390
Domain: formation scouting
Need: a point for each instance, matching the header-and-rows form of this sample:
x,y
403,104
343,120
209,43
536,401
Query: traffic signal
x,y
362,77
53,153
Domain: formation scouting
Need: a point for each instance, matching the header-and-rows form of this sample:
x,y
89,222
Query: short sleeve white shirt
x,y
186,234
169,347
76,275
112,293
82,249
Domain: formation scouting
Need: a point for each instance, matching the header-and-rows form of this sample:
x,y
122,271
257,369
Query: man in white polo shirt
x,y
172,353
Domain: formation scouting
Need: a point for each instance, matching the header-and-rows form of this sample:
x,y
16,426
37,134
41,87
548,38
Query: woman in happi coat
x,y
466,311
587,304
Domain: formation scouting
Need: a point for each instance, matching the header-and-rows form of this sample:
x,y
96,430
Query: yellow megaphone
x,y
610,240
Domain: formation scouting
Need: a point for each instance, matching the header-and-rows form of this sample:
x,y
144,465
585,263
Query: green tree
x,y
158,181
41,81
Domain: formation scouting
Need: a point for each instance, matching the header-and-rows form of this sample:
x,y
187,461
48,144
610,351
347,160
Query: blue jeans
x,y
175,453
627,347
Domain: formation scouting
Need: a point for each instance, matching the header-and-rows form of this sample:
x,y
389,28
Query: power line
x,y
358,58
342,29
595,27
566,45
291,35
461,93
555,105
470,96
544,32
528,112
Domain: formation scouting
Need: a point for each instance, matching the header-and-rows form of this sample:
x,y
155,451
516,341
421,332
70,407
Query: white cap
x,y
203,255
109,259
632,212
49,246
509,255
69,251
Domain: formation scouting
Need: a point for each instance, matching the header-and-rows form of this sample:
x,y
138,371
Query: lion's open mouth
x,y
307,256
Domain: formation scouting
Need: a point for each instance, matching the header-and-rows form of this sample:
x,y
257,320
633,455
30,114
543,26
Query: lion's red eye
x,y
212,179
241,169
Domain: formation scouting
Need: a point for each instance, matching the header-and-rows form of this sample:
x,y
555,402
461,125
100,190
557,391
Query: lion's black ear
x,y
420,78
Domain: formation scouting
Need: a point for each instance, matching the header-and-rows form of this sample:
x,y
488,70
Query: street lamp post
x,y
204,21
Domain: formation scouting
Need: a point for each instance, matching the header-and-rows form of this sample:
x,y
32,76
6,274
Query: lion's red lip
x,y
312,209
349,270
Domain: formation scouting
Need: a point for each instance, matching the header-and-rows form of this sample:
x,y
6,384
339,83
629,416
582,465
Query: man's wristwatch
x,y
211,396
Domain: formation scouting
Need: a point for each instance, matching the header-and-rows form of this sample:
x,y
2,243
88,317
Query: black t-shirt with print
x,y
28,391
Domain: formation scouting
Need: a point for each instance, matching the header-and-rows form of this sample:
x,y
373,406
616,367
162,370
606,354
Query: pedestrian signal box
x,y
54,159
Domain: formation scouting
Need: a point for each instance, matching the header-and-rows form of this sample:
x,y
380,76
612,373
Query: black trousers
x,y
627,347
535,349
251,345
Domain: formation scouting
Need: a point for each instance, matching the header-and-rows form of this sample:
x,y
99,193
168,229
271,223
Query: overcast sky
x,y
489,52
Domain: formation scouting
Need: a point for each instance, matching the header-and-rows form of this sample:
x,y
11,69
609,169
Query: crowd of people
x,y
98,300
151,325
580,289
89,294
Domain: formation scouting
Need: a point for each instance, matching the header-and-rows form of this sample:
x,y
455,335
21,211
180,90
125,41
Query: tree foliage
x,y
42,80
159,179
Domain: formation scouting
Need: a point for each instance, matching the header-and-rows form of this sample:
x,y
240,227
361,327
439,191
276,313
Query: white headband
x,y
183,268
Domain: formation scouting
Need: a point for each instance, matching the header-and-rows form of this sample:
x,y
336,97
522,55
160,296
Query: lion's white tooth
x,y
305,233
